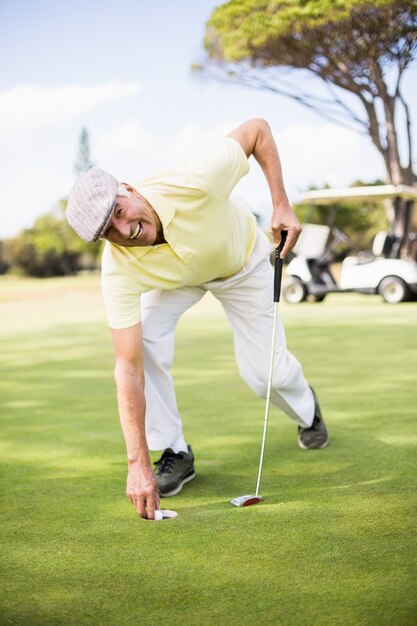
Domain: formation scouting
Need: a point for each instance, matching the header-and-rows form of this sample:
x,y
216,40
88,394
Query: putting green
x,y
333,542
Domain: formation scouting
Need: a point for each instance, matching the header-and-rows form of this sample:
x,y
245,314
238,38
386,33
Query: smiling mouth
x,y
138,231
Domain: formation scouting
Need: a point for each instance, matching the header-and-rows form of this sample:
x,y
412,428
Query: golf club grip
x,y
278,266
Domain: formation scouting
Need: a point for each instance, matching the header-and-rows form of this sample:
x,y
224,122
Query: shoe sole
x,y
323,445
174,492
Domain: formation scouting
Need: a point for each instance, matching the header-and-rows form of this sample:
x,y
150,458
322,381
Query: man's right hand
x,y
142,491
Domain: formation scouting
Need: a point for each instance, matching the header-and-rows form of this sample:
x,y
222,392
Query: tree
x,y
49,248
360,222
4,265
83,162
359,49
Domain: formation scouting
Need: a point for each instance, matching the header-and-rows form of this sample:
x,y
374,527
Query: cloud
x,y
30,192
316,154
27,107
310,154
187,139
125,147
132,151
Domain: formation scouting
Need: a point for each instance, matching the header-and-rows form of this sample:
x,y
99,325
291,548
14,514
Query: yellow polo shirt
x,y
209,234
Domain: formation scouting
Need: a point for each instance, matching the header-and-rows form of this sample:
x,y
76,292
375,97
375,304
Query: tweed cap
x,y
90,203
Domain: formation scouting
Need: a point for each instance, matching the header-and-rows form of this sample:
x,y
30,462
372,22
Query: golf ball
x,y
158,516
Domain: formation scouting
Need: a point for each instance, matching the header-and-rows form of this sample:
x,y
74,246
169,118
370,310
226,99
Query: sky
x,y
122,70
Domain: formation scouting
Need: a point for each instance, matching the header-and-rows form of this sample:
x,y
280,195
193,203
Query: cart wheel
x,y
313,298
294,290
393,289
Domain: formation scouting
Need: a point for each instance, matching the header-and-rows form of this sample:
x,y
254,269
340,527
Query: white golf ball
x,y
158,516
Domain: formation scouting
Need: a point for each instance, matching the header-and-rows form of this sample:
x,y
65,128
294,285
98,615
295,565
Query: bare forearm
x,y
255,137
132,406
265,152
141,486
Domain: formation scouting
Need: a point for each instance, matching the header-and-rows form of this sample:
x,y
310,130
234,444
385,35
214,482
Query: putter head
x,y
246,500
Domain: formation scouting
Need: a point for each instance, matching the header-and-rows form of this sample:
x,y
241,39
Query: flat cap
x,y
90,203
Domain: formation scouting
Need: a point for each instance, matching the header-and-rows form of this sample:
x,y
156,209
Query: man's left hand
x,y
283,218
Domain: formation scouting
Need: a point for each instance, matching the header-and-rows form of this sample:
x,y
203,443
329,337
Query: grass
x,y
334,541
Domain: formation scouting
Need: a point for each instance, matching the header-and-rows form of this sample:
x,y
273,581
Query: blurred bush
x,y
49,248
359,220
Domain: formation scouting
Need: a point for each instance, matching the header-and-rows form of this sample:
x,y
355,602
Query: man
x,y
169,240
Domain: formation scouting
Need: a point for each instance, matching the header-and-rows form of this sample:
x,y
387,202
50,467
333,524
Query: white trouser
x,y
247,298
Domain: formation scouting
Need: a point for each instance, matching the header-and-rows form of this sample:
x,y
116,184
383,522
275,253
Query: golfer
x,y
169,240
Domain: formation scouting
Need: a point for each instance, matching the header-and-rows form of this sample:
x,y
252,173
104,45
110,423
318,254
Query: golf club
x,y
248,500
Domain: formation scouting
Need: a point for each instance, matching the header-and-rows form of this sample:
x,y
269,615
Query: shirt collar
x,y
166,211
163,207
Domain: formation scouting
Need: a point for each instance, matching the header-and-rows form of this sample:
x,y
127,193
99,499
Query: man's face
x,y
134,221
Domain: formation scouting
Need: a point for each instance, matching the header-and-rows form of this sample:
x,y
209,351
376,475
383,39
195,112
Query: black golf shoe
x,y
173,471
316,436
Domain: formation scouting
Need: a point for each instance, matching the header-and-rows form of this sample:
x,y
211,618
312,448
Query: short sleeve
x,y
219,166
121,293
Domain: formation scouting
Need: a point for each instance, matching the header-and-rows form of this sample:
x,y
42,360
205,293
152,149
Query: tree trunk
x,y
392,140
399,209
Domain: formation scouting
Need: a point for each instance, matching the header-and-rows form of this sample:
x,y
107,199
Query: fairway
x,y
333,543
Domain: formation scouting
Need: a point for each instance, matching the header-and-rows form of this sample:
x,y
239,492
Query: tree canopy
x,y
49,248
358,48
83,162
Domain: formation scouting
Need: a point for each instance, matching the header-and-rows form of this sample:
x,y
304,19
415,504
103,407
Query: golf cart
x,y
390,269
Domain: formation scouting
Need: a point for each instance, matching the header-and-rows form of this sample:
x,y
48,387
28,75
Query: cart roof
x,y
323,196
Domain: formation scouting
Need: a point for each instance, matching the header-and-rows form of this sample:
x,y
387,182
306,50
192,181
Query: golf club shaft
x,y
277,293
268,395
